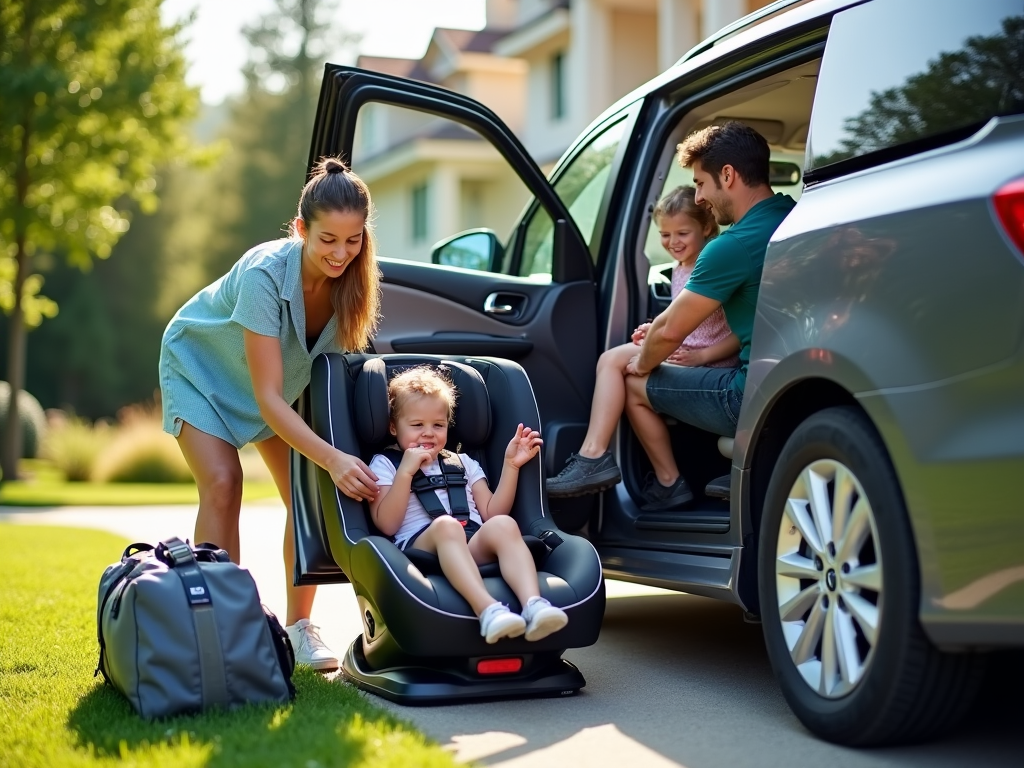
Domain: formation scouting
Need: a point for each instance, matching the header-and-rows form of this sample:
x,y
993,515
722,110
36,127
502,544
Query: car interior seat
x,y
421,641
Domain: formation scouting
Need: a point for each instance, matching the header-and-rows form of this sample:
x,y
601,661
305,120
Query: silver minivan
x,y
874,517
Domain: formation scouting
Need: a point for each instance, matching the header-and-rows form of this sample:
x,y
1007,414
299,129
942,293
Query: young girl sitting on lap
x,y
685,227
422,404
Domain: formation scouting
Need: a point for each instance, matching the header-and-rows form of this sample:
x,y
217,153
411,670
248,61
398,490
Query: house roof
x,y
450,130
454,40
386,65
535,32
473,41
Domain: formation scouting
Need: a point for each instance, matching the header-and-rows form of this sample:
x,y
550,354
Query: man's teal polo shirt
x,y
728,270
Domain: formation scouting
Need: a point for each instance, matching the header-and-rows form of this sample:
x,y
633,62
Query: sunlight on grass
x,y
45,486
54,713
47,492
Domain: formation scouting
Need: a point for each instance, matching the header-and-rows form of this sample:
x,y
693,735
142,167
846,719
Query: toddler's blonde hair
x,y
421,381
683,199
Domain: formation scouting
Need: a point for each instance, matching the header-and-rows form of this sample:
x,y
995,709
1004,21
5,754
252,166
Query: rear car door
x,y
480,254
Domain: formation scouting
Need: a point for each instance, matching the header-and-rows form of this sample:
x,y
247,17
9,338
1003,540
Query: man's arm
x,y
670,329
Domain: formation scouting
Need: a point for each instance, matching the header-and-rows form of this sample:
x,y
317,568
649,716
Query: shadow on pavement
x,y
681,680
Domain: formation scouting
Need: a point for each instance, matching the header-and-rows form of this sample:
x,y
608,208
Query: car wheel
x,y
839,591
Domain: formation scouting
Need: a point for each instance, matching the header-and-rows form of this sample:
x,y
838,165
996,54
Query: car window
x,y
778,107
581,186
916,85
786,167
443,194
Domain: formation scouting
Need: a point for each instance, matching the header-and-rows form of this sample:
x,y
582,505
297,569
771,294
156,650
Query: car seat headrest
x,y
472,407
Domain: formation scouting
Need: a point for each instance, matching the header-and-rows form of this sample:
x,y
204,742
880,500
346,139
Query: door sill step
x,y
682,521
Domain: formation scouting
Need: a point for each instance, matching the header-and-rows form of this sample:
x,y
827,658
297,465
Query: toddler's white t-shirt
x,y
416,516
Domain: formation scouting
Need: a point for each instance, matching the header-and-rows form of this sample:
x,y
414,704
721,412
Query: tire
x,y
867,675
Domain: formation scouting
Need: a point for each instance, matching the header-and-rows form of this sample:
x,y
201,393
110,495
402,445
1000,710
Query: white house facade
x,y
547,68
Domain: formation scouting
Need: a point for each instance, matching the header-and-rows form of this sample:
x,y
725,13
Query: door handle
x,y
504,304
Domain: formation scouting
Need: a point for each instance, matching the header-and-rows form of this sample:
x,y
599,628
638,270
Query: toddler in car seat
x,y
471,525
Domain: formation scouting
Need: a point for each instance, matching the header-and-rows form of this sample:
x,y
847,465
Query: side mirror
x,y
782,174
477,249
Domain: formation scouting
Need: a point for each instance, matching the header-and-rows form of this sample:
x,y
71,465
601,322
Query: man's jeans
x,y
703,397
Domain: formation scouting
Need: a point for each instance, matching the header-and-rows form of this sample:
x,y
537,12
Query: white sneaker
x,y
542,618
497,621
309,648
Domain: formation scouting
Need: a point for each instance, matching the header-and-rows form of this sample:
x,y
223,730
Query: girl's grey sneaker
x,y
309,649
497,621
542,618
658,497
582,475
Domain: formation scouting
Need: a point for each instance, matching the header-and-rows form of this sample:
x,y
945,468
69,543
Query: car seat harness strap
x,y
452,479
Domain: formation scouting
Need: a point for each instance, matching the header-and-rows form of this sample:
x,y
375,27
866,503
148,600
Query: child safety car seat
x,y
421,641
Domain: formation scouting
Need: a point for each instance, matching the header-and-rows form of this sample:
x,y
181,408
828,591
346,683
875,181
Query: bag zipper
x,y
121,581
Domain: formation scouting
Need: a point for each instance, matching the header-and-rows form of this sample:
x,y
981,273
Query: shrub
x,y
141,452
72,445
33,420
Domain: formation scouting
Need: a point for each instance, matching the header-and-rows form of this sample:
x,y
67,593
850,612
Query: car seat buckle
x,y
550,539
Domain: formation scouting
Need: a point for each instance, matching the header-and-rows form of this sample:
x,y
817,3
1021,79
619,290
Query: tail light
x,y
499,666
1009,203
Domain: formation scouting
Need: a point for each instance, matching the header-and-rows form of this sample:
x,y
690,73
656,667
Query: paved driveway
x,y
675,680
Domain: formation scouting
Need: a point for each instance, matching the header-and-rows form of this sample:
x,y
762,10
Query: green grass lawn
x,y
45,486
54,713
59,493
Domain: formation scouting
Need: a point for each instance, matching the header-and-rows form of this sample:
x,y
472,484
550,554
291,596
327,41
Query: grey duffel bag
x,y
181,629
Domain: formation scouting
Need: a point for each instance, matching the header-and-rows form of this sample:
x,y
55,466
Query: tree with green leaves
x,y
271,125
94,102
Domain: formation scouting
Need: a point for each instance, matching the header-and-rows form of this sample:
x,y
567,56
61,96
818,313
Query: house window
x,y
419,212
558,86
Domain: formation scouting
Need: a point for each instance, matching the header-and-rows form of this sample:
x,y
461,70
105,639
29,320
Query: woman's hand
x,y
353,477
692,358
523,447
640,333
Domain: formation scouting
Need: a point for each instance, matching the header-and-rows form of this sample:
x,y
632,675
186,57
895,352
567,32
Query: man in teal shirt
x,y
730,172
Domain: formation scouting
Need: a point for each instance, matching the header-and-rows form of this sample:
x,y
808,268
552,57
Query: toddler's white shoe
x,y
542,618
309,649
497,621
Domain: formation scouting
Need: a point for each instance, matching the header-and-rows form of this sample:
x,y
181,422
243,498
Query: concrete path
x,y
675,680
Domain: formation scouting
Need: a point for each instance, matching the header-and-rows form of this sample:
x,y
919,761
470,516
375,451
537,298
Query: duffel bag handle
x,y
174,552
208,552
134,549
179,557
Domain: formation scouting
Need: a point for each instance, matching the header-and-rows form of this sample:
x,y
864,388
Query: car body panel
x,y
907,294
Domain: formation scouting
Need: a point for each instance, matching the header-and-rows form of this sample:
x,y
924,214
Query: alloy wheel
x,y
828,574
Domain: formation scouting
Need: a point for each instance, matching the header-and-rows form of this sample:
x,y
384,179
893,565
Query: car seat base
x,y
542,675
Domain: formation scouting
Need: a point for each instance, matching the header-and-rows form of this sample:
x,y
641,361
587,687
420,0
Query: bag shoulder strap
x,y
180,559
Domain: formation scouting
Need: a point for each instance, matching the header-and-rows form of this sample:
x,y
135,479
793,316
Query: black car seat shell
x,y
421,641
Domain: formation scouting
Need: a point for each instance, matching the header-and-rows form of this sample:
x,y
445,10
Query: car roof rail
x,y
737,26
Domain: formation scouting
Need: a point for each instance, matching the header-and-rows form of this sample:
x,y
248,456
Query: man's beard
x,y
722,217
